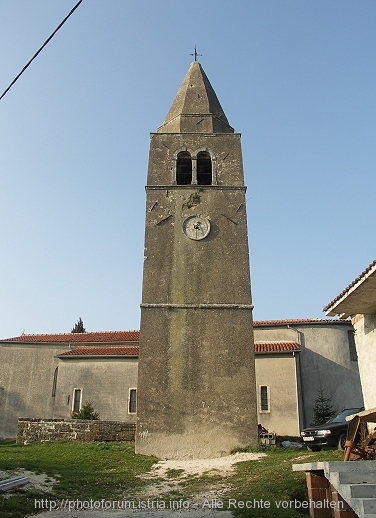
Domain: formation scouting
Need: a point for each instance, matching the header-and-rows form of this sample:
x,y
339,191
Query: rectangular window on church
x,y
77,393
132,404
264,398
352,346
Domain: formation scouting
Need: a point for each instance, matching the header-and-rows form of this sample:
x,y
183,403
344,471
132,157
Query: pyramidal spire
x,y
196,108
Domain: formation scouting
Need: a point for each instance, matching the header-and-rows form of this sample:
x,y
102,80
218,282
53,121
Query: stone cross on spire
x,y
195,54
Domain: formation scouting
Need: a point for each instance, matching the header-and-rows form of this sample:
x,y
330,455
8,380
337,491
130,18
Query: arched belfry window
x,y
204,168
184,168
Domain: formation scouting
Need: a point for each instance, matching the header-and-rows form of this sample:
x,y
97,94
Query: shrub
x,y
87,412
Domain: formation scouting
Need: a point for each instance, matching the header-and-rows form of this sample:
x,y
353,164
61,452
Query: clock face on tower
x,y
196,227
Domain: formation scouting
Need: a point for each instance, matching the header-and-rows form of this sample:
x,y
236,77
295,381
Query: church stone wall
x,y
326,363
278,372
26,378
105,382
277,334
39,430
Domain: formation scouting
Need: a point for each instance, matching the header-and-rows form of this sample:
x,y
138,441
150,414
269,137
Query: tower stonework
x,y
196,395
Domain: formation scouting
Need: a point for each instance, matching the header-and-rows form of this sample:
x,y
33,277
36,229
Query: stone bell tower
x,y
196,384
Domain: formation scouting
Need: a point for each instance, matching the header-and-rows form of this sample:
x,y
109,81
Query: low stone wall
x,y
38,430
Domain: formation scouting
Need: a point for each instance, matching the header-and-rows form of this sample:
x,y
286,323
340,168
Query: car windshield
x,y
341,418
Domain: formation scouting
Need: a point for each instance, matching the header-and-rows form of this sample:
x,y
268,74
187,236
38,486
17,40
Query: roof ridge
x,y
294,321
88,334
85,333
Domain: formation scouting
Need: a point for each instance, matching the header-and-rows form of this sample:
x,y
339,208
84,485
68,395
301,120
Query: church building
x,y
200,374
49,376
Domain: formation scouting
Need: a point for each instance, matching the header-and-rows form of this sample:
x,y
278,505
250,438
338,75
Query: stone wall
x,y
38,430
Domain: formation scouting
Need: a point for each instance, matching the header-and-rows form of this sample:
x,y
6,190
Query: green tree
x,y
87,412
78,327
323,409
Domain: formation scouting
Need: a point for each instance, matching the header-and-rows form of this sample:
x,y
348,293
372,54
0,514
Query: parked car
x,y
331,434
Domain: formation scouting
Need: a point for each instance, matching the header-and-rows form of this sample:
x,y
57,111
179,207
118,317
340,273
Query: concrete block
x,y
12,483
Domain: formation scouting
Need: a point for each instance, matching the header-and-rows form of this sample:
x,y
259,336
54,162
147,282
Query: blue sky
x,y
296,78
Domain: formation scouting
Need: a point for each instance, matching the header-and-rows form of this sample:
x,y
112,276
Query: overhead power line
x,y
42,47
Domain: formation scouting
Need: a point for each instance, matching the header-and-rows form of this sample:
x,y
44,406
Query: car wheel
x,y
313,448
341,442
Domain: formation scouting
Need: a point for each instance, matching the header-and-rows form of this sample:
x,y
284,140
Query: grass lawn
x,y
110,471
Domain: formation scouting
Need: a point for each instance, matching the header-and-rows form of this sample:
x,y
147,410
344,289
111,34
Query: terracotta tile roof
x,y
276,347
260,347
134,336
351,285
94,337
107,337
100,351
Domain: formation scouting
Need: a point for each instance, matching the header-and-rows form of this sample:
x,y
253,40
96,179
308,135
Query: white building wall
x,y
365,339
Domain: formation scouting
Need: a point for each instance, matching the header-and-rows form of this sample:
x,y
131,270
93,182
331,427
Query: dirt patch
x,y
222,465
171,477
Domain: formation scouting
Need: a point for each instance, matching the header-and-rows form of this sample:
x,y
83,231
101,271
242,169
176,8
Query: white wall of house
x,y
365,338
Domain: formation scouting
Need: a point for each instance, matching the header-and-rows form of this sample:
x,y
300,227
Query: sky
x,y
296,78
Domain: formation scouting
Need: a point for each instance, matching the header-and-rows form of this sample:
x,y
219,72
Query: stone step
x,y
11,483
363,490
357,477
369,505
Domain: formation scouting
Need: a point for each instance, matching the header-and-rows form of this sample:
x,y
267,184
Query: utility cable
x,y
42,47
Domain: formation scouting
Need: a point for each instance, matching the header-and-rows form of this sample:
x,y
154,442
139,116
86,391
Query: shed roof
x,y
359,297
276,347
